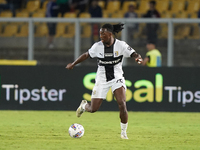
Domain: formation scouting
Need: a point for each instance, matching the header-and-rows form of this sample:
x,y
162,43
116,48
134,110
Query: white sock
x,y
124,127
83,106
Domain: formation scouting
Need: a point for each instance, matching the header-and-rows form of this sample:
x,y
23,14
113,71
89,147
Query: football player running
x,y
109,53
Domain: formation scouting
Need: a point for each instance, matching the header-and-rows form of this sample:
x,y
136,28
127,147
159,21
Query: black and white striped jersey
x,y
110,59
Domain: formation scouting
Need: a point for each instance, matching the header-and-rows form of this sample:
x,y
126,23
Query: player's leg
x,y
94,105
120,95
99,93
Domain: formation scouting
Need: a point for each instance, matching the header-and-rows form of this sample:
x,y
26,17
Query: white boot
x,y
81,108
124,135
123,130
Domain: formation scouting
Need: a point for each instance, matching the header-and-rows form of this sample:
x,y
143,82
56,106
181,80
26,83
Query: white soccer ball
x,y
76,130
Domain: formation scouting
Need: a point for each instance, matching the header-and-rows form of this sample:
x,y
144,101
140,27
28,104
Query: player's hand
x,y
139,60
69,66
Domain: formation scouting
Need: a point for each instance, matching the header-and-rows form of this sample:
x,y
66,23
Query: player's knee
x,y
93,110
122,105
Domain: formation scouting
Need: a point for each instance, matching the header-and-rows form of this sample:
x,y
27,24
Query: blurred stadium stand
x,y
113,6
65,32
125,5
32,6
23,31
41,30
10,30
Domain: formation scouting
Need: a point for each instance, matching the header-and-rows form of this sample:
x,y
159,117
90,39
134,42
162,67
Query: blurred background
x,y
54,42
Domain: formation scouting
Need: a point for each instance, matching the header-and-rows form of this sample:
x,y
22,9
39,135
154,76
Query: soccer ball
x,y
76,130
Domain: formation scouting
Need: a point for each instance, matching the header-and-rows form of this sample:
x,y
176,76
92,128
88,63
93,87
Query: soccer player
x,y
109,52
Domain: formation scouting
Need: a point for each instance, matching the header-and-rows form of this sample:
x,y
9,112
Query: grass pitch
x,y
48,130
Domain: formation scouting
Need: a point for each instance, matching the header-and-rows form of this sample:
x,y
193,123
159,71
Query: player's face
x,y
152,7
105,35
150,46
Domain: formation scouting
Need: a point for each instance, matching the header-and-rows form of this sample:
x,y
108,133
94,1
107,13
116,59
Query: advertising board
x,y
56,88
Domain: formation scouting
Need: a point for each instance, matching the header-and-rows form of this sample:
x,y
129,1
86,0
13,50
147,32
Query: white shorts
x,y
100,90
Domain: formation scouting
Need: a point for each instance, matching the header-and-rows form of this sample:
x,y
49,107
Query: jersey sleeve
x,y
127,50
92,51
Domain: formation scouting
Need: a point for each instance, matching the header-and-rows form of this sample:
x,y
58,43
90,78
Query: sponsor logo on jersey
x,y
108,54
109,61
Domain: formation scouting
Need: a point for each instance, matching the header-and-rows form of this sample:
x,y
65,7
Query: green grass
x,y
48,130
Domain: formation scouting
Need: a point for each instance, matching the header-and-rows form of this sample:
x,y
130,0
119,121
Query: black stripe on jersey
x,y
109,61
109,73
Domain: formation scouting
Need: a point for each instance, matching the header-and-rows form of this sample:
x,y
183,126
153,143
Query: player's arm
x,y
137,57
146,59
80,59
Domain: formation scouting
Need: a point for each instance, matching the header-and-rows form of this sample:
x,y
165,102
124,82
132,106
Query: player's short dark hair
x,y
113,28
131,5
153,2
151,42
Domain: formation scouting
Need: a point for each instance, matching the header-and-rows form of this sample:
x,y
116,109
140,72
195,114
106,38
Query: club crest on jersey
x,y
116,53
